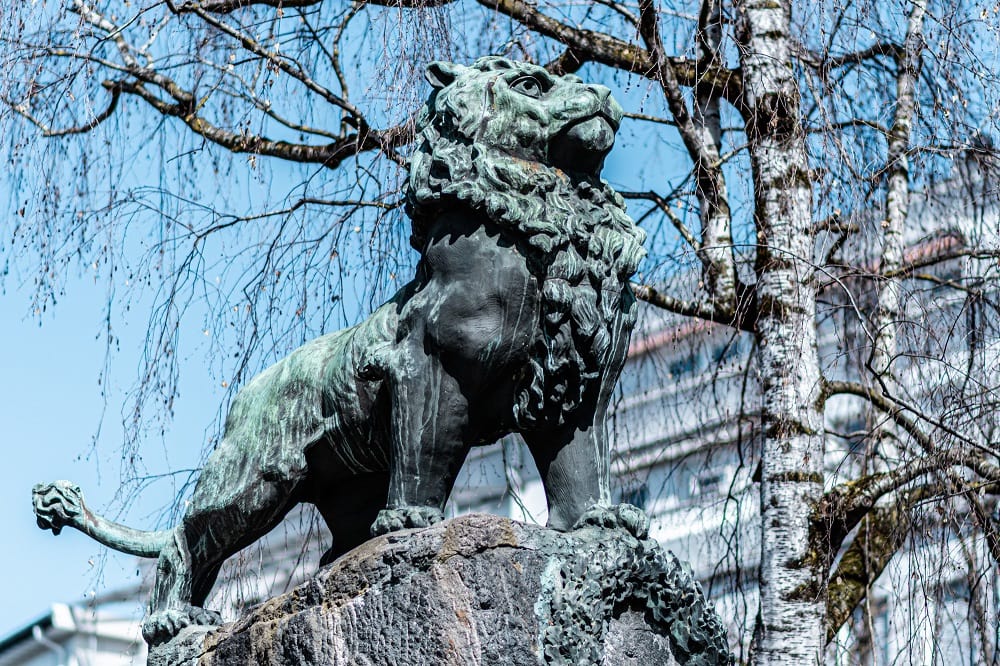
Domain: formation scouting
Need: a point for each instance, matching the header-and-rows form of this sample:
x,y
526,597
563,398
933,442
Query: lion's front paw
x,y
626,516
163,625
391,520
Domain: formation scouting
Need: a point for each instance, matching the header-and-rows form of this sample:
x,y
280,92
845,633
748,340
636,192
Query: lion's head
x,y
525,148
523,111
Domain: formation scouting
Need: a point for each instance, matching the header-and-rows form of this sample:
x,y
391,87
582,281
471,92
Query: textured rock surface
x,y
478,590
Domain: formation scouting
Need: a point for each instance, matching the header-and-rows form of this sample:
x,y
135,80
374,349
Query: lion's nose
x,y
609,106
602,92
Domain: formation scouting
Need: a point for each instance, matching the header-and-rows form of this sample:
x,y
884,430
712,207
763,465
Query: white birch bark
x,y
716,251
701,133
792,577
897,203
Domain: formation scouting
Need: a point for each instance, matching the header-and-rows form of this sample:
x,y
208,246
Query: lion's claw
x,y
626,516
392,520
163,625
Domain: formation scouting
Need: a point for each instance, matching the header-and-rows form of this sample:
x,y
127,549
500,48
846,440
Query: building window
x,y
725,352
636,495
682,365
707,482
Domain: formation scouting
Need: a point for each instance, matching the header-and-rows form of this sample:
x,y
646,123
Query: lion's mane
x,y
579,242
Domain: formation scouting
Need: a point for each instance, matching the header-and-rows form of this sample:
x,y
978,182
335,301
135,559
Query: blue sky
x,y
51,409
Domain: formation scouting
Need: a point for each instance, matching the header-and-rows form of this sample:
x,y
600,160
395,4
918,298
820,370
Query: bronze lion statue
x,y
517,321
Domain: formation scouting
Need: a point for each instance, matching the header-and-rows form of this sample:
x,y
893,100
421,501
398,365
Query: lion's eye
x,y
529,86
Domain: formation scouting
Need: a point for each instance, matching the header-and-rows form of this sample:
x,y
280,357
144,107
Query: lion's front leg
x,y
429,416
575,469
575,464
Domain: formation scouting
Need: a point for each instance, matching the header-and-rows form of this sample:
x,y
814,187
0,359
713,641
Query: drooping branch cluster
x,y
882,502
135,73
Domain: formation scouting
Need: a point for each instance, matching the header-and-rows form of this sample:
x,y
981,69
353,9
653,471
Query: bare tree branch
x,y
226,6
664,207
295,70
589,46
715,249
827,64
854,122
845,505
648,118
22,110
330,155
282,212
897,200
906,270
186,107
877,50
897,409
883,530
985,523
745,313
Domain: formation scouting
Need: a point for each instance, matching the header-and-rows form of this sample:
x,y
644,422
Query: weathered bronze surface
x,y
517,320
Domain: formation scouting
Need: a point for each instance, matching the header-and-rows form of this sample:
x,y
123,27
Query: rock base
x,y
477,589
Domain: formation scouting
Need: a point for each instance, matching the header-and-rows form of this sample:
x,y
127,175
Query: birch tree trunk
x,y
790,627
897,203
716,251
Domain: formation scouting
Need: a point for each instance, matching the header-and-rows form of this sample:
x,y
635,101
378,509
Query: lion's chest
x,y
478,302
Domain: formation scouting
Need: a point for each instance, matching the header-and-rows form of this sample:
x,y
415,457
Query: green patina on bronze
x,y
517,320
579,241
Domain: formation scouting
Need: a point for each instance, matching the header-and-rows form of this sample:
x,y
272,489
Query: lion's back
x,y
285,409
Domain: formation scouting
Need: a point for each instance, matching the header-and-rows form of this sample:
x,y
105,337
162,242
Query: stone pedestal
x,y
477,590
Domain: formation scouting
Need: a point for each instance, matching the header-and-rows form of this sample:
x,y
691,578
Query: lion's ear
x,y
440,74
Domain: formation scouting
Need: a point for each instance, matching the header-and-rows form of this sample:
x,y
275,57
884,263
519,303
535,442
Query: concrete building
x,y
75,636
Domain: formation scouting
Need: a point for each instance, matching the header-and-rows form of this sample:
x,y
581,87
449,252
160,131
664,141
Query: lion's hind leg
x,y
625,516
206,537
171,609
575,472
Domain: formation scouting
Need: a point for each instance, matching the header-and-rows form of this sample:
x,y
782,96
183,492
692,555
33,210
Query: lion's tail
x,y
60,504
